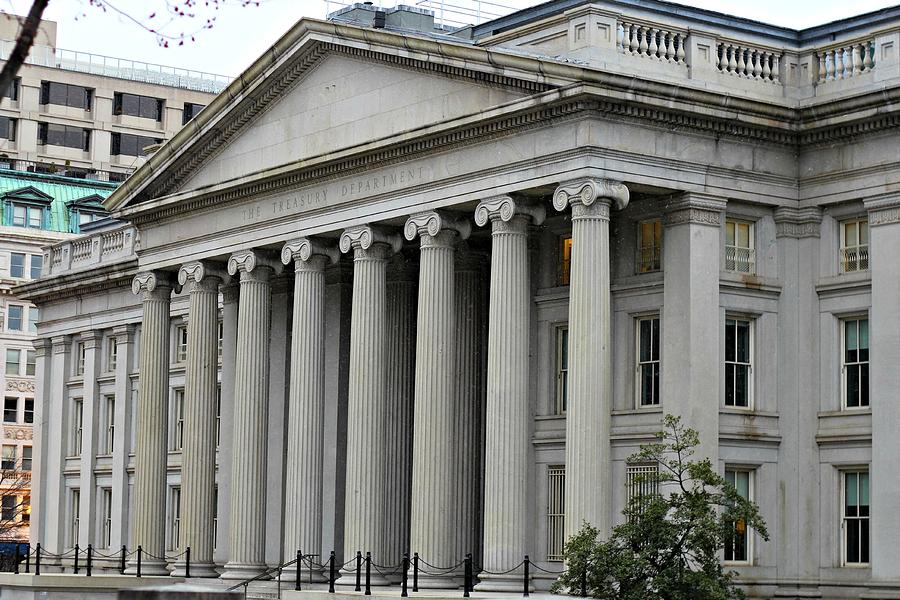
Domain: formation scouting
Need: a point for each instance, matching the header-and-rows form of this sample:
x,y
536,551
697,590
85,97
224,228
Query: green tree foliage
x,y
670,546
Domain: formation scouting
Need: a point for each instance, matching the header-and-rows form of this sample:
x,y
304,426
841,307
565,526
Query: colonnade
x,y
430,493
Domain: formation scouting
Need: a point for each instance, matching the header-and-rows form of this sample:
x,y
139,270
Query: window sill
x,y
647,410
844,281
750,281
561,417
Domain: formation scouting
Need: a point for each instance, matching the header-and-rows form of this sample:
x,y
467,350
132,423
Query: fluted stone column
x,y
401,360
433,519
151,444
251,388
306,404
470,392
507,415
588,494
198,470
367,495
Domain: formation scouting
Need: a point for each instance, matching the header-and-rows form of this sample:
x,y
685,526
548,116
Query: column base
x,y
348,579
240,571
149,567
197,570
796,592
450,581
307,575
510,582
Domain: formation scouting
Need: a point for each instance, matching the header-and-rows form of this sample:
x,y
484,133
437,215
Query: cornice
x,y
883,210
699,209
797,222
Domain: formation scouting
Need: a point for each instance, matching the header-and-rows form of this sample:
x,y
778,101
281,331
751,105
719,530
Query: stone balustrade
x,y
846,61
748,62
648,41
89,250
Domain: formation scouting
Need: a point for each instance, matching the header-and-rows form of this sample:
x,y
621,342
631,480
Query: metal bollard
x,y
331,573
37,560
299,564
90,559
18,557
358,570
28,559
404,591
122,565
187,562
584,584
527,568
467,582
415,571
140,553
368,574
76,559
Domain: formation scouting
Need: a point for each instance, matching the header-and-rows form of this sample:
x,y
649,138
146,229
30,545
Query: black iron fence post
x,y
331,573
299,564
368,574
358,570
37,560
90,559
525,583
18,557
584,584
415,571
187,562
76,559
404,589
28,559
122,565
140,552
467,572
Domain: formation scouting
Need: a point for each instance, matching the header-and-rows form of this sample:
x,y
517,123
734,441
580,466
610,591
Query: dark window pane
x,y
645,340
12,92
730,340
853,541
741,385
853,385
743,341
646,385
655,349
864,385
729,385
131,104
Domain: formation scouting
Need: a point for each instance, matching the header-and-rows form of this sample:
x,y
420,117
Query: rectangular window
x,y
648,361
856,518
556,513
37,264
29,410
649,246
75,508
10,410
12,90
8,128
112,350
738,362
8,507
110,418
68,136
737,545
855,362
13,358
215,516
8,461
34,316
26,458
221,336
26,215
181,343
30,362
65,94
137,106
126,144
14,314
106,517
175,520
641,484
26,508
177,440
77,427
854,246
17,265
562,369
190,111
564,263
739,252
218,415
79,358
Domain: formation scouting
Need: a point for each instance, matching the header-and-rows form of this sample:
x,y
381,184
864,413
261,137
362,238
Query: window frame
x,y
844,530
556,512
176,443
77,428
859,247
39,259
751,353
751,496
561,355
843,364
9,463
20,319
18,362
13,267
639,364
106,504
181,344
109,424
564,259
6,410
750,249
29,458
174,517
75,522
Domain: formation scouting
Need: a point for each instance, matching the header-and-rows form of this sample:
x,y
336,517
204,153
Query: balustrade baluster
x,y
732,60
867,58
653,48
757,64
829,65
857,61
642,35
620,37
680,52
767,70
742,65
670,42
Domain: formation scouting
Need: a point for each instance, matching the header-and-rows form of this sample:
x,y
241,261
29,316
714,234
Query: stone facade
x,y
582,218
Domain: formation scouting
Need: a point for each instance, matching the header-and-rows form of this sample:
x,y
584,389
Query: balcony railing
x,y
855,258
89,250
740,260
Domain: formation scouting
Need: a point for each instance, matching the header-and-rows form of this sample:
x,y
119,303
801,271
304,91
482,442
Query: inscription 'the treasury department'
x,y
335,193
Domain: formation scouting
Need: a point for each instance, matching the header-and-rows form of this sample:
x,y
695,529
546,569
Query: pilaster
x,y
92,341
230,302
41,438
123,338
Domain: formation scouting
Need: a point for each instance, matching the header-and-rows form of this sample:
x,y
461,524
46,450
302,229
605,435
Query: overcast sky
x,y
241,34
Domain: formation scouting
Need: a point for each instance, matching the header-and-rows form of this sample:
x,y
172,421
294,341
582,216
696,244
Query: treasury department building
x,y
401,288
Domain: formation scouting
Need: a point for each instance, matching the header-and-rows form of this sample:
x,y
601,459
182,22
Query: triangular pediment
x,y
91,202
319,98
28,194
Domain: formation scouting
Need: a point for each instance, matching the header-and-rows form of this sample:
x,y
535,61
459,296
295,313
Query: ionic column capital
x,y
797,222
883,210
588,191
202,275
434,222
505,208
691,207
253,264
364,237
304,250
153,285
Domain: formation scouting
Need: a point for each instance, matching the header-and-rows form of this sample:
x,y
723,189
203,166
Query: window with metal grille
x,y
739,252
641,485
556,512
854,246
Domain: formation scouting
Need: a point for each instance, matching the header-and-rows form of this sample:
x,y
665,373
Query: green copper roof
x,y
56,197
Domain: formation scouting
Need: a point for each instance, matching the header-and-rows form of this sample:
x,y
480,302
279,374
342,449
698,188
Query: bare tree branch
x,y
23,45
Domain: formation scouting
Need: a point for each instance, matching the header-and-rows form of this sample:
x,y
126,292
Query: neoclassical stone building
x,y
405,289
